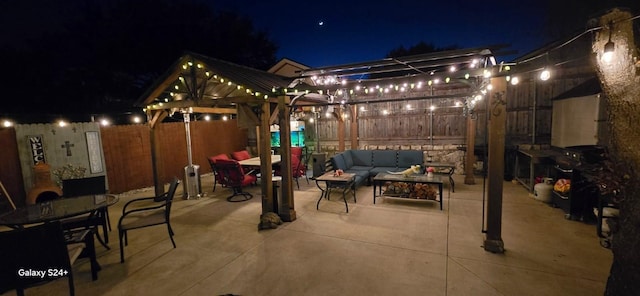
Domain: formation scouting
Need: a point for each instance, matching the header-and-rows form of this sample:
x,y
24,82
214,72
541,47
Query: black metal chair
x,y
38,248
88,186
153,211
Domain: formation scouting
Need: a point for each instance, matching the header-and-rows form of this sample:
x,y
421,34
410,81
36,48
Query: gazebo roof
x,y
209,85
199,81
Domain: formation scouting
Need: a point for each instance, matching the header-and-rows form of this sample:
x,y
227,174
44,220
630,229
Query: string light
x,y
545,74
609,47
329,80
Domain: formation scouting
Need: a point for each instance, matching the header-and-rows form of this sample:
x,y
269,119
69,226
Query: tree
x,y
100,56
621,83
567,17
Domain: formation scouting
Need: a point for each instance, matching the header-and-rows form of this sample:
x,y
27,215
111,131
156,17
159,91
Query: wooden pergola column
x,y
341,130
470,153
286,209
264,149
497,127
156,151
354,126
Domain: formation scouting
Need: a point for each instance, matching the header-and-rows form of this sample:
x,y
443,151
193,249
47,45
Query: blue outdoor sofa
x,y
368,163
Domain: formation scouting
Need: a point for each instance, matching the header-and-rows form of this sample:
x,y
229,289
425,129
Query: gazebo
x,y
199,84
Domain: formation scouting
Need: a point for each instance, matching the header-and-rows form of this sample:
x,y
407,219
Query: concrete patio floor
x,y
390,248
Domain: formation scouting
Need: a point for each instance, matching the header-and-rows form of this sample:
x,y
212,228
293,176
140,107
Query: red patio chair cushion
x,y
240,155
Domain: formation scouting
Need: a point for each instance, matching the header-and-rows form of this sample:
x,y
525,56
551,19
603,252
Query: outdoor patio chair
x,y
217,178
233,176
41,248
88,186
298,169
153,211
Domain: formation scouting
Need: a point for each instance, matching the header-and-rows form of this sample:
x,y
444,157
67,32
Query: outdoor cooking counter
x,y
530,163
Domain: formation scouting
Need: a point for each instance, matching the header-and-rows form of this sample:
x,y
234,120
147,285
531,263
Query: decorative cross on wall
x,y
67,145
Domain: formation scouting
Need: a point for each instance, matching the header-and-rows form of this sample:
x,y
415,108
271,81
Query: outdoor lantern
x,y
609,47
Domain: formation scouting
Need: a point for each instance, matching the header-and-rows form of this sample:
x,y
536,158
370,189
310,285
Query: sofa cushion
x,y
385,158
362,158
361,168
377,170
337,161
407,158
361,176
348,160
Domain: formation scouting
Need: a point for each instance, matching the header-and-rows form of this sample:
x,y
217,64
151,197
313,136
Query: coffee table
x,y
380,179
344,182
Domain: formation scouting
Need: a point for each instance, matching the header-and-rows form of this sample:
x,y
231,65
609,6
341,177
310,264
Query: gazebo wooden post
x,y
470,153
264,149
286,209
354,126
497,127
157,165
341,130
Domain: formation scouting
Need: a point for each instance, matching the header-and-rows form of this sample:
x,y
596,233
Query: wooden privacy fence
x,y
127,150
127,153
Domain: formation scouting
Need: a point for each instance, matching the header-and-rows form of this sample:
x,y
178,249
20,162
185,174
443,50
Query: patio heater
x,y
192,188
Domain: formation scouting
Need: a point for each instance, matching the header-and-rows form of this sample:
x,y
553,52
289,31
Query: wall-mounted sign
x,y
94,149
37,149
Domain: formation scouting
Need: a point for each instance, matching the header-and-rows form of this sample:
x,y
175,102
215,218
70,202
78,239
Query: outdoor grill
x,y
582,165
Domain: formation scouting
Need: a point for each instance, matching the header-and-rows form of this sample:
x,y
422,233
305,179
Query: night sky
x,y
331,32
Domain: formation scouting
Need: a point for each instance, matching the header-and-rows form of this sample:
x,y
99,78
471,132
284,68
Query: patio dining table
x,y
57,209
255,161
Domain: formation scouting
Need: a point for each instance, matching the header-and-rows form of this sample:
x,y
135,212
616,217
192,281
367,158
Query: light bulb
x,y
609,48
545,75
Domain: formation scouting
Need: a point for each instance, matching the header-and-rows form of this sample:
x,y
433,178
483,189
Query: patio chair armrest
x,y
126,214
137,200
143,209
